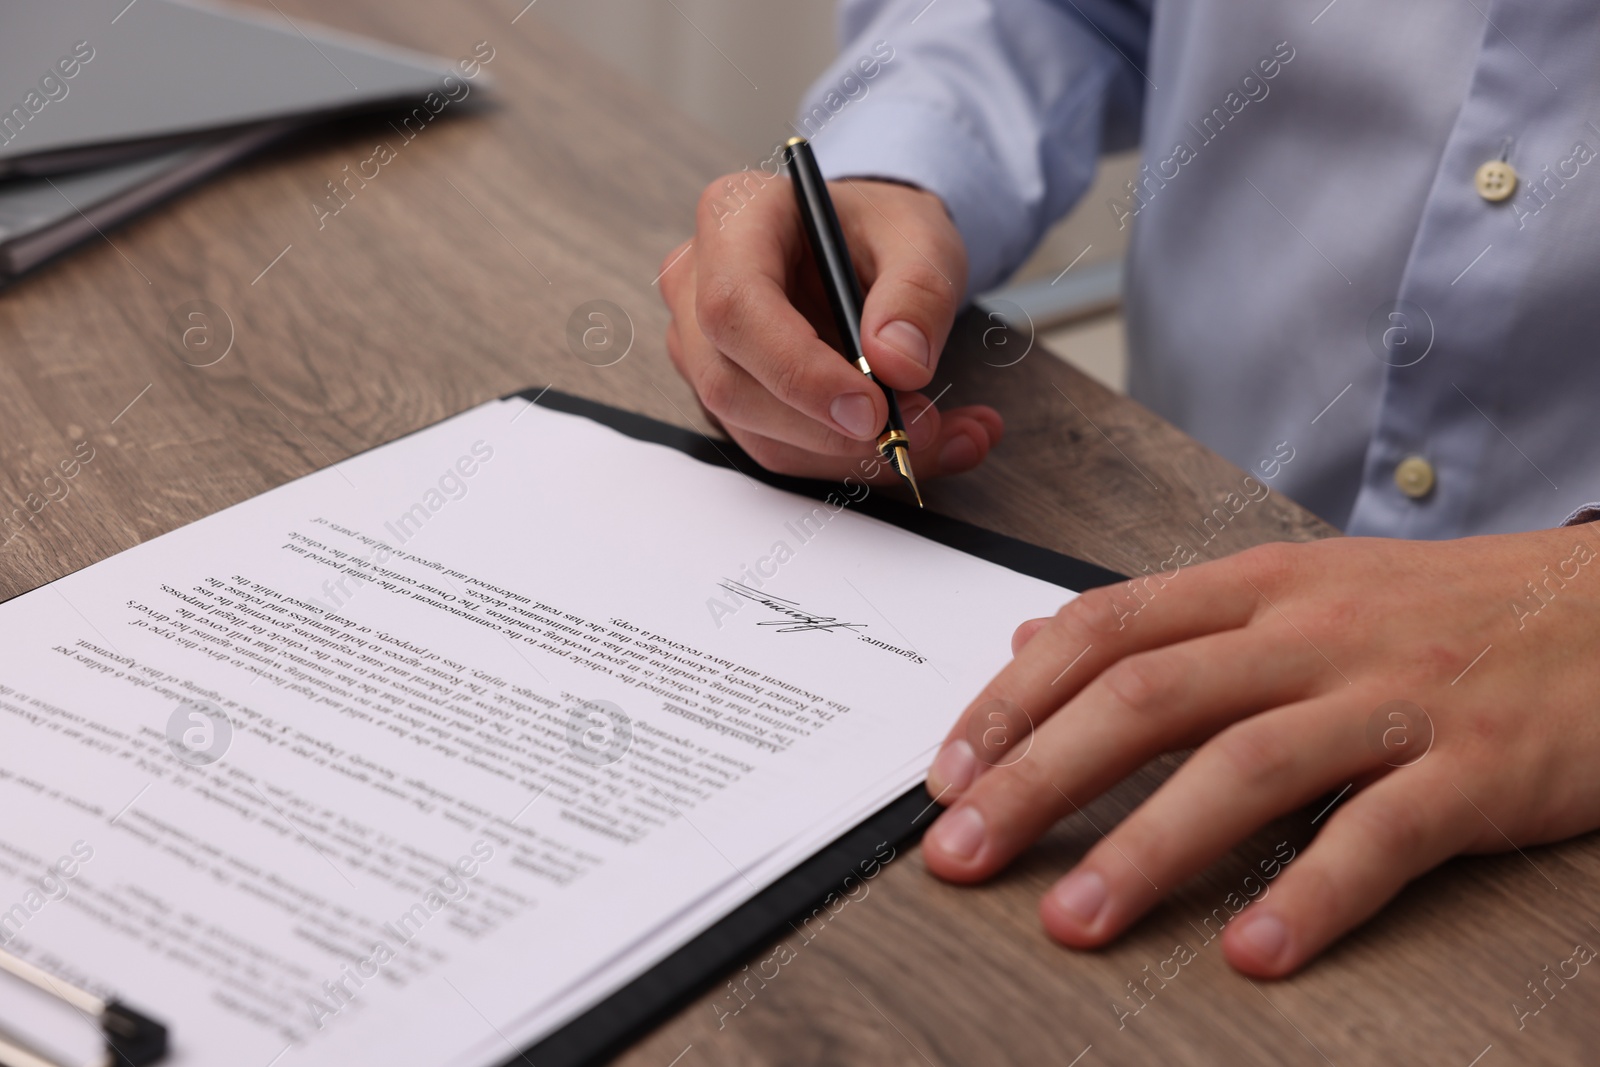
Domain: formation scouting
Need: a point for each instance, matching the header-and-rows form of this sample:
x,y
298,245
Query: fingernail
x,y
1265,937
953,768
960,453
959,833
853,411
907,340
1081,895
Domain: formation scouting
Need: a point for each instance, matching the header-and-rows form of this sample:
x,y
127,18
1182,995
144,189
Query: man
x,y
1363,232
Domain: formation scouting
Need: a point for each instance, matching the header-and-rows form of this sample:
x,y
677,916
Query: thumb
x,y
920,276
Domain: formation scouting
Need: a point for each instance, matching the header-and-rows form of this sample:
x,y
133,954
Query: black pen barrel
x,y
827,245
828,248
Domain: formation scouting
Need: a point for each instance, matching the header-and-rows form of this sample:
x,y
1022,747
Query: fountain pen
x,y
839,281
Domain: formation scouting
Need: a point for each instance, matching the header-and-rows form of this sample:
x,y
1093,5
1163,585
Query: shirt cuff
x,y
1587,513
925,147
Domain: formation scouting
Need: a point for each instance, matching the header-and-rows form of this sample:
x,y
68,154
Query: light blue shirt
x,y
1311,261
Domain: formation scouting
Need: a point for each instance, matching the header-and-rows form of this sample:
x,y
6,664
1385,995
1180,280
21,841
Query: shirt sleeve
x,y
1000,107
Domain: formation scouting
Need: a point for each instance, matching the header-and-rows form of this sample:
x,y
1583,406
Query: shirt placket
x,y
1450,323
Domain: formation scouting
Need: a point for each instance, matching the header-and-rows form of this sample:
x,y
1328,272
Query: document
x,y
416,758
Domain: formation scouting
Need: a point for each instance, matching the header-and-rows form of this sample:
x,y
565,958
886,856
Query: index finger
x,y
1082,640
742,305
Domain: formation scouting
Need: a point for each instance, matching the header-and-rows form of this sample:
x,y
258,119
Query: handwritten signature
x,y
795,620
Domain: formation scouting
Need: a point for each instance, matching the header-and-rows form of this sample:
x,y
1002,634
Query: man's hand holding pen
x,y
749,316
1271,663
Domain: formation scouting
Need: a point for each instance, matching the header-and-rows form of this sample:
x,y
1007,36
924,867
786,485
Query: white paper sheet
x,y
588,697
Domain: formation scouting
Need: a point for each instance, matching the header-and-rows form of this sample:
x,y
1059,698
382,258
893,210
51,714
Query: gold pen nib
x,y
902,460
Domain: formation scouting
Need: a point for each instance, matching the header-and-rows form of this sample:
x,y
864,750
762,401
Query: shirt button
x,y
1496,180
1414,476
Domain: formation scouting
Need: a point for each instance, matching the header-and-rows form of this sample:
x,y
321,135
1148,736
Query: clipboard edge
x,y
1003,550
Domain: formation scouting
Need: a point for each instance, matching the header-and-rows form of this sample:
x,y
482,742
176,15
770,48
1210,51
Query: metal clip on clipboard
x,y
131,1039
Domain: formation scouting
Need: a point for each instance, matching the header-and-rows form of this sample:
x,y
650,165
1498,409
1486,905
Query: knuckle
x,y
789,381
718,387
1257,757
1137,844
1269,565
1096,612
1318,890
923,285
710,194
1014,788
715,196
995,727
1147,682
718,305
1393,830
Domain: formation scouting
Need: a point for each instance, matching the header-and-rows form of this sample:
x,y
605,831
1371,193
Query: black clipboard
x,y
620,1019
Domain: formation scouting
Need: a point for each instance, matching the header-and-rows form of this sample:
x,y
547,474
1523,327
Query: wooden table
x,y
449,279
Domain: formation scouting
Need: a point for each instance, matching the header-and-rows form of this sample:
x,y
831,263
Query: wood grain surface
x,y
448,279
